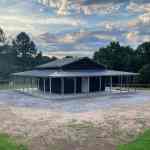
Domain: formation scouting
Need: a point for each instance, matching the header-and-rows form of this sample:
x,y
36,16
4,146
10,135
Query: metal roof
x,y
58,63
73,73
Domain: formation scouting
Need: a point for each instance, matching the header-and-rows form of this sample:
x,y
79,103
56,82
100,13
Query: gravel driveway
x,y
98,123
78,105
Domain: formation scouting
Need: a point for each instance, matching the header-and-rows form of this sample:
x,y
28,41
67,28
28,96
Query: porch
x,y
73,87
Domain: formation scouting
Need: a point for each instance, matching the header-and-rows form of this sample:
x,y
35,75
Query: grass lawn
x,y
141,143
8,143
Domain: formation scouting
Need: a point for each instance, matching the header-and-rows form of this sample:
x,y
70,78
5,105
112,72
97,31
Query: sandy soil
x,y
61,128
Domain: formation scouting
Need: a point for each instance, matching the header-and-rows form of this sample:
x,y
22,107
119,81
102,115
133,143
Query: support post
x,y
44,86
135,82
127,83
23,84
50,85
120,83
88,85
62,85
110,83
100,84
75,85
14,84
38,83
30,84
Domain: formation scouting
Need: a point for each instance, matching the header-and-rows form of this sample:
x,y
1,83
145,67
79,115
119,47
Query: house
x,y
72,76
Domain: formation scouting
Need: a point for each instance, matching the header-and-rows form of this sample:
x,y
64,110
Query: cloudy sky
x,y
77,27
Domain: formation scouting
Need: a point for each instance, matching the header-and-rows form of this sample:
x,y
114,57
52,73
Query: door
x,y
85,85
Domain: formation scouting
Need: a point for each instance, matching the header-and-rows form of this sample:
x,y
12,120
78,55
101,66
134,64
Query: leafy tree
x,y
2,36
117,57
143,53
68,56
25,49
24,46
40,59
145,74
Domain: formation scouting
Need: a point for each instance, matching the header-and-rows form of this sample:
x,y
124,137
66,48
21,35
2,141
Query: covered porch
x,y
74,84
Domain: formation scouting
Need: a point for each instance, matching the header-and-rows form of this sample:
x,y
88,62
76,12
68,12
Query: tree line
x,y
125,58
19,54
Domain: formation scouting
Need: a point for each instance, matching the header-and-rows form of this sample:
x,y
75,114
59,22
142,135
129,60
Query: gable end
x,y
84,64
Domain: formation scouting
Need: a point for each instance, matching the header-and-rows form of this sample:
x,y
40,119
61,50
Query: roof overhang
x,y
73,73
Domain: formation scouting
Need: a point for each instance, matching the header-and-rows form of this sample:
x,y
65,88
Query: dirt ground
x,y
59,129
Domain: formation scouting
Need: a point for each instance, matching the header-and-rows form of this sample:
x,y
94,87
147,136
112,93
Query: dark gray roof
x,y
73,73
58,63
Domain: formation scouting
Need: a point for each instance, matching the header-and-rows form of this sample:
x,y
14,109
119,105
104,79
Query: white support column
x,y
100,84
88,84
134,78
23,83
14,84
62,85
128,87
110,83
44,86
27,81
120,83
38,84
31,84
50,85
75,85
28,85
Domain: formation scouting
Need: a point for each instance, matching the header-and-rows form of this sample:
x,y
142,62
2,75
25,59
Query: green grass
x,y
141,143
8,143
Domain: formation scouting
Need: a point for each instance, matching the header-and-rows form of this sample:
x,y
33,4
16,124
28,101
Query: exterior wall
x,y
94,84
56,85
68,85
79,85
83,85
103,83
41,84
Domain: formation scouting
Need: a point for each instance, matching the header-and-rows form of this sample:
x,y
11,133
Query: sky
x,y
77,27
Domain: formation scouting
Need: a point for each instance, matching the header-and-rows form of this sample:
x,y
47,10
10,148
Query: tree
x,y
143,53
117,57
145,74
2,36
25,48
68,56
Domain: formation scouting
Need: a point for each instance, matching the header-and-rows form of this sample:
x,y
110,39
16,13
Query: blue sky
x,y
77,27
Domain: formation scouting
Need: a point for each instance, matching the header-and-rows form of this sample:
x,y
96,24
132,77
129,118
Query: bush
x,y
141,143
145,74
8,143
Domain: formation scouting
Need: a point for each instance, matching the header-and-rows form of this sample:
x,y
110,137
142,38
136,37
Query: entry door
x,y
85,85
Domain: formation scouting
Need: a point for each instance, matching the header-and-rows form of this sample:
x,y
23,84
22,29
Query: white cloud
x,y
64,6
106,8
138,7
145,18
140,22
60,5
133,37
19,23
